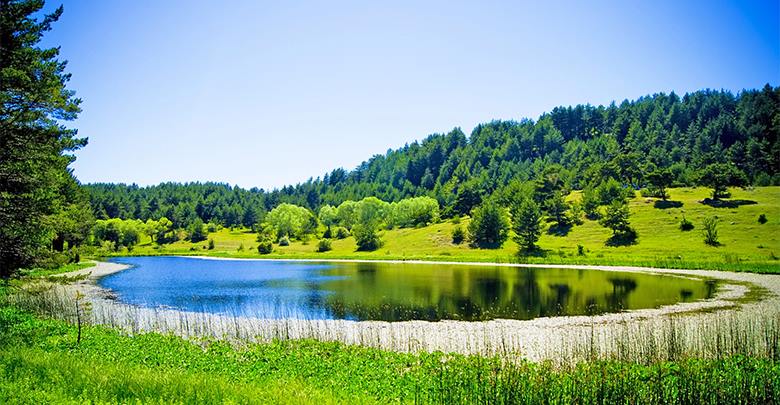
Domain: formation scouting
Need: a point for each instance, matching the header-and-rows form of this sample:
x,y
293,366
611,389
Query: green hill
x,y
745,245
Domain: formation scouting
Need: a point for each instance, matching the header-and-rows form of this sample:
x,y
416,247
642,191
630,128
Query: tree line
x,y
711,138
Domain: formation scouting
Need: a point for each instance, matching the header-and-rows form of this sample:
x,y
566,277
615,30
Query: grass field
x,y
40,362
746,245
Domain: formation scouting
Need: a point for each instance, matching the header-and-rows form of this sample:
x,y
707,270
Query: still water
x,y
389,292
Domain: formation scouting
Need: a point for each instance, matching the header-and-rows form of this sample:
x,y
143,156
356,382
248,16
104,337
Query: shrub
x,y
366,237
241,247
762,219
580,250
211,244
489,226
710,231
455,220
284,241
324,245
265,247
685,225
458,235
575,213
341,233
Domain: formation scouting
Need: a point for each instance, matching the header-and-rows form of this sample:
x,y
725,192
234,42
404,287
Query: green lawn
x,y
746,245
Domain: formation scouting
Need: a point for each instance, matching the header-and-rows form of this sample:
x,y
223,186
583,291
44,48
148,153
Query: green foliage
x,y
720,176
610,190
489,226
577,147
291,220
39,204
660,180
324,245
265,247
527,224
211,244
590,203
458,235
284,241
556,207
196,231
341,232
616,219
710,231
40,364
685,225
417,211
120,233
762,219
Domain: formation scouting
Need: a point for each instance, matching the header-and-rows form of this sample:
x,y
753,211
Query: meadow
x,y
745,243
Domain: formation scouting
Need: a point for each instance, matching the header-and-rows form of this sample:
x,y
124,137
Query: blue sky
x,y
267,94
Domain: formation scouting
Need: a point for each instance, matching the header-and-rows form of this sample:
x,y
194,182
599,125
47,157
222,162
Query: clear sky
x,y
272,93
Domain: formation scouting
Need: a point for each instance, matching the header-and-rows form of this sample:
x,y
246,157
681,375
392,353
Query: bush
x,y
685,225
366,238
341,233
324,245
710,231
489,226
211,244
240,247
458,235
265,247
762,219
284,241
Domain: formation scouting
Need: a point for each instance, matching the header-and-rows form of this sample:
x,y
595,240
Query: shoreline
x,y
536,339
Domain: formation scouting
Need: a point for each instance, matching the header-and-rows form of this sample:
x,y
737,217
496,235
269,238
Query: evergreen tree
x,y
34,100
527,224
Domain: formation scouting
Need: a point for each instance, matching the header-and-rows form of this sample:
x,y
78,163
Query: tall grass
x,y
40,362
714,335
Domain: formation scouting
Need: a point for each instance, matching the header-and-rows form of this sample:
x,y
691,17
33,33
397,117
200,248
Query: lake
x,y
389,291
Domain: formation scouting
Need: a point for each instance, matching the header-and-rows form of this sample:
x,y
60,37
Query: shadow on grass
x,y
559,230
626,238
726,203
663,205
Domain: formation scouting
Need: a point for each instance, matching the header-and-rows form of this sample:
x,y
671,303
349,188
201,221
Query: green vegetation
x,y
43,210
489,226
41,361
746,245
527,224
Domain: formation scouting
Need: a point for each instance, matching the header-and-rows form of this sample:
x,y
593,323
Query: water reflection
x,y
391,292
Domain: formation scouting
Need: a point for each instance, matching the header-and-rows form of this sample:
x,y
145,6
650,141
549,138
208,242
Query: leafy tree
x,y
616,218
458,235
556,207
196,231
527,224
660,179
329,217
370,213
347,214
290,220
324,245
414,212
720,176
34,145
489,226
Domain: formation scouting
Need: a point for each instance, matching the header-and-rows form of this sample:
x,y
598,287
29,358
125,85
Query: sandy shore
x,y
536,339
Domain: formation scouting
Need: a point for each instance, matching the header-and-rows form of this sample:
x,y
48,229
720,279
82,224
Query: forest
x,y
663,140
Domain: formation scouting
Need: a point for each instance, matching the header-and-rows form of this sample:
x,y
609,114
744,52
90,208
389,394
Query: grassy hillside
x,y
746,244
